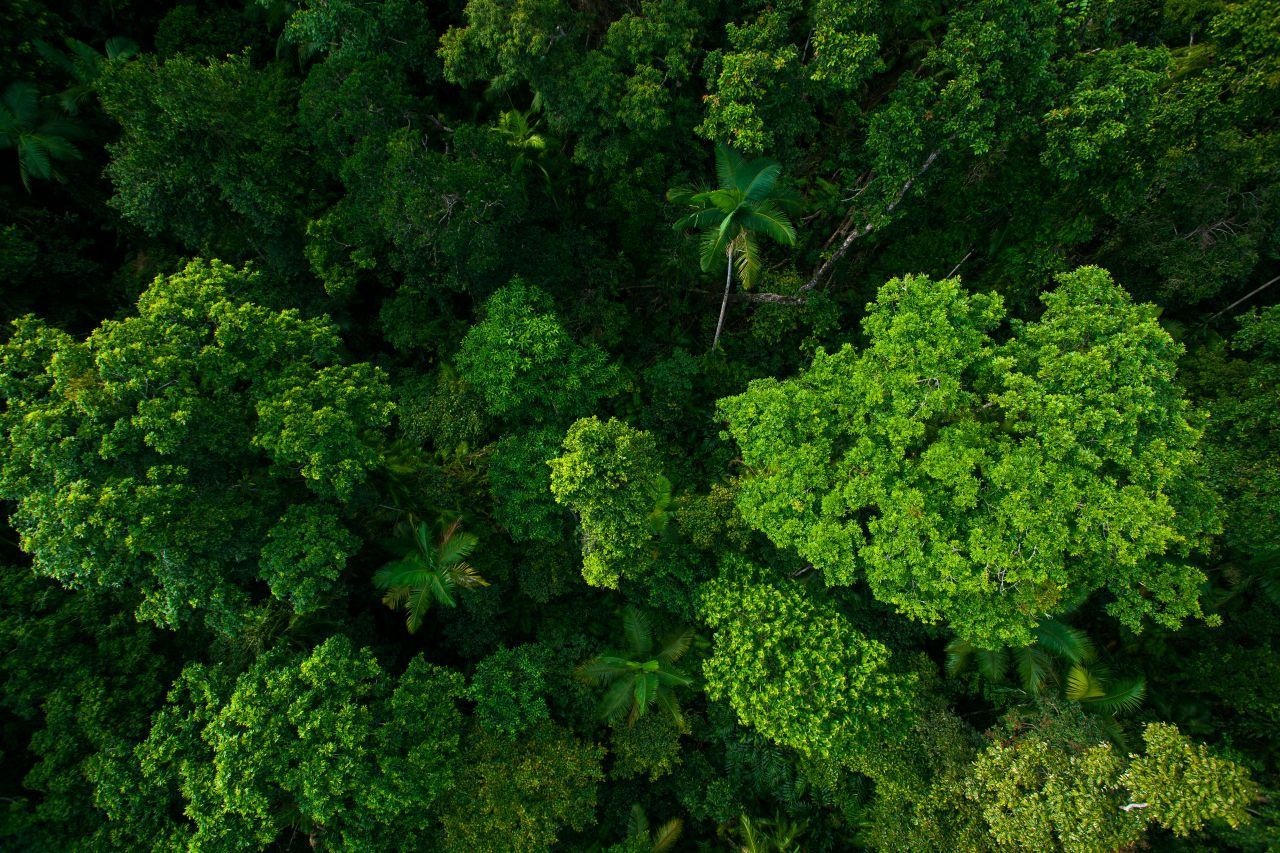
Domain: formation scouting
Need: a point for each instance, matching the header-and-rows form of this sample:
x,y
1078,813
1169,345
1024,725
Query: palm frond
x,y
728,164
34,159
682,195
1082,685
669,676
1034,668
1070,644
992,665
769,220
762,183
466,577
602,669
637,823
959,655
725,200
713,247
455,547
1123,695
667,702
666,836
747,259
418,606
21,100
119,47
638,631
675,644
616,700
709,217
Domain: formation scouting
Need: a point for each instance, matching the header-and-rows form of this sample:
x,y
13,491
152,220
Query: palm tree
x,y
659,840
638,676
40,136
83,65
744,205
762,835
429,572
1086,680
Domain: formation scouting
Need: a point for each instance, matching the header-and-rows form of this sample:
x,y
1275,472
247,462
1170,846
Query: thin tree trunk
x,y
866,229
1246,296
724,303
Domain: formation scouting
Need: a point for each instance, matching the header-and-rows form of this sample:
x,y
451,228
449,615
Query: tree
x,y
987,484
85,678
525,366
521,797
731,216
509,688
325,742
609,476
208,153
1053,782
520,484
798,672
195,451
429,571
40,137
639,675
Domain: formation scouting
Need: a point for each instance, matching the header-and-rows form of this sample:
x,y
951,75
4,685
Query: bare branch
x,y
1246,296
829,264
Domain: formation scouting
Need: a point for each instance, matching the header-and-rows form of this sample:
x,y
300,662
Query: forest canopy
x,y
774,425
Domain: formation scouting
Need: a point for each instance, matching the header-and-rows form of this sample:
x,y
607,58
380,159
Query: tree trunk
x,y
724,303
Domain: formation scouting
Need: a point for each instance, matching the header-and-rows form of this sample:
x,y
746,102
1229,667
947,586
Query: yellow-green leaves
x,y
609,475
191,450
802,674
986,484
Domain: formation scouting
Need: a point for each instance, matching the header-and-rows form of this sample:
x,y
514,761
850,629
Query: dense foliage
x,y
503,425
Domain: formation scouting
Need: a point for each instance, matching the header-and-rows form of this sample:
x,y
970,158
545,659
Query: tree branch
x,y
829,264
1246,296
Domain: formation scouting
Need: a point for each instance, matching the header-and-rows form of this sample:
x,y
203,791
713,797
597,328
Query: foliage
x,y
313,303
40,138
984,483
204,155
429,571
608,475
522,796
325,742
801,674
521,361
509,688
189,449
642,674
1049,787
